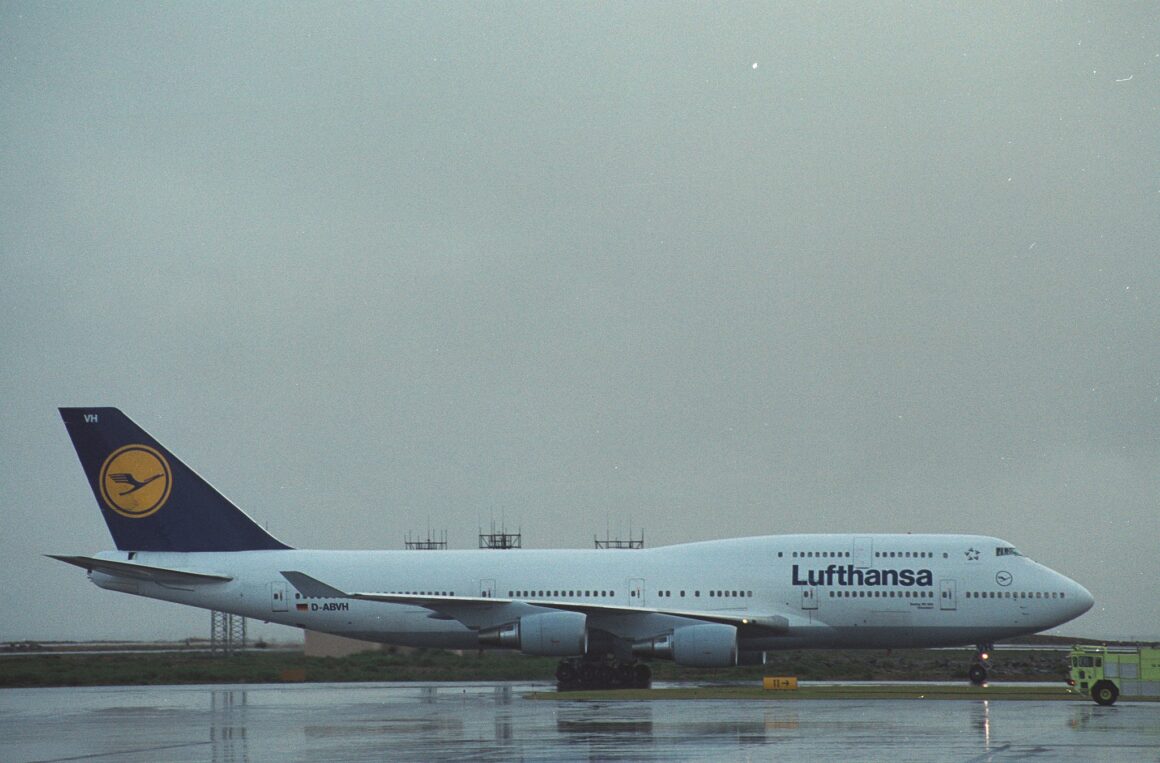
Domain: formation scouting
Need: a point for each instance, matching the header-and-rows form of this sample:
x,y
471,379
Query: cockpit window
x,y
1007,551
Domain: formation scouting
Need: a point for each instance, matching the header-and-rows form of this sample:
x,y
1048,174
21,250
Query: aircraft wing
x,y
472,611
775,624
484,611
161,575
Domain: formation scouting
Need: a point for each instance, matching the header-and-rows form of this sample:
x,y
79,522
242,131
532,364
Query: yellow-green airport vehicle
x,y
1107,673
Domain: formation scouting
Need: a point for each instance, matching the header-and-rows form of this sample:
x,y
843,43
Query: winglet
x,y
311,588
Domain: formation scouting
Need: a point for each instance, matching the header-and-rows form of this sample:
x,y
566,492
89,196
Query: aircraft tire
x,y
978,674
1105,693
565,674
580,674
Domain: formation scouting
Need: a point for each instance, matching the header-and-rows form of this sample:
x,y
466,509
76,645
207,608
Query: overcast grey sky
x,y
708,270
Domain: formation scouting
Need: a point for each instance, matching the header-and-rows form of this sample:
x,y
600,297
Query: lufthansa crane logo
x,y
135,481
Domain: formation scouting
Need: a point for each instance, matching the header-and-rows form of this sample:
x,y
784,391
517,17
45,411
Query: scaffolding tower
x,y
431,544
500,540
620,542
227,633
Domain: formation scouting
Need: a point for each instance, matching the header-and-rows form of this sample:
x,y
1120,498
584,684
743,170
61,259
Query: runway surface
x,y
385,721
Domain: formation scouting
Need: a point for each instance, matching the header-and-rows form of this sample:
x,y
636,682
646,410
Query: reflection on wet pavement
x,y
306,722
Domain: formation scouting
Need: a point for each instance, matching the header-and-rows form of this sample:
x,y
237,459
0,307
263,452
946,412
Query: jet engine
x,y
549,634
707,645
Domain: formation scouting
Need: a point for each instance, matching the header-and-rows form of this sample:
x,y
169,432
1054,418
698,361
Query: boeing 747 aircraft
x,y
604,612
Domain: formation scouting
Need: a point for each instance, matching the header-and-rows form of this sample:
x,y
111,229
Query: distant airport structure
x,y
500,540
609,542
318,644
430,544
227,633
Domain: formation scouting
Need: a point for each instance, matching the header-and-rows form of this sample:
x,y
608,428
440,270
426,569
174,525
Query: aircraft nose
x,y
1081,598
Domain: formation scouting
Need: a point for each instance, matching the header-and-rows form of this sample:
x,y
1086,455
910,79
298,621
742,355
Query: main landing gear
x,y
579,673
980,664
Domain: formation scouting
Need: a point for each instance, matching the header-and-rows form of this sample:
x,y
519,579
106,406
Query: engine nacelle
x,y
550,634
708,645
712,645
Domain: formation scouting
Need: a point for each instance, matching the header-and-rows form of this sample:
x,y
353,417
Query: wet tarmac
x,y
414,722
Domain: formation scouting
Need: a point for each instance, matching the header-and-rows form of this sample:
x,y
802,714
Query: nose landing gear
x,y
980,664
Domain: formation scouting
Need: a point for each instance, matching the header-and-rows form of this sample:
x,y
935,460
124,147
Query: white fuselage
x,y
833,590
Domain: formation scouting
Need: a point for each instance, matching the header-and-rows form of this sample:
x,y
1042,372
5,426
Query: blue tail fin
x,y
151,501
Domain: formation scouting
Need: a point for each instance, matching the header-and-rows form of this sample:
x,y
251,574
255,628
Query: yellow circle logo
x,y
135,481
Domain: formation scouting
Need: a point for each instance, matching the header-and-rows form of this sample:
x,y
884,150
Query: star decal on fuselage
x,y
972,554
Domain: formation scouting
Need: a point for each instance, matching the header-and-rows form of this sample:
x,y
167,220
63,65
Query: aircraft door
x,y
279,598
809,598
636,597
946,595
487,588
863,552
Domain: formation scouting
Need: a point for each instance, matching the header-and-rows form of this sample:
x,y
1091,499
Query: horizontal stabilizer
x,y
163,575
